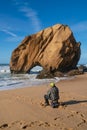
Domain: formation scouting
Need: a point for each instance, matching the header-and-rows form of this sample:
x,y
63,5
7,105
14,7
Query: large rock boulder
x,y
54,48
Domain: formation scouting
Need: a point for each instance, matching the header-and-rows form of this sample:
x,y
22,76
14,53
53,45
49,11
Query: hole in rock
x,y
36,70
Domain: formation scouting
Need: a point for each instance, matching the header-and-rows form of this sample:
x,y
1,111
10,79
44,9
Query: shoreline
x,y
40,82
22,108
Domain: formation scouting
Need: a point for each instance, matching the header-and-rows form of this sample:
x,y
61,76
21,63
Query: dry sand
x,y
23,108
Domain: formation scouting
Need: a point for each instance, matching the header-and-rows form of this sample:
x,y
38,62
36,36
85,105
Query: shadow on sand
x,y
72,102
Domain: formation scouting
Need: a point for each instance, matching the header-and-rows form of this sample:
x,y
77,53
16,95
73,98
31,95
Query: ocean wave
x,y
12,81
4,69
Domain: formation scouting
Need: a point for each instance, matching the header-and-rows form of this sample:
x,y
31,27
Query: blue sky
x,y
19,18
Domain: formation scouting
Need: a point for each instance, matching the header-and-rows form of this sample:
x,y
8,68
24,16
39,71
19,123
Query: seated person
x,y
52,95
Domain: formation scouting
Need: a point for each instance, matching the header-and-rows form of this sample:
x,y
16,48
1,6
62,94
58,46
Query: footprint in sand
x,y
56,118
83,122
46,124
71,115
42,104
4,126
82,118
26,125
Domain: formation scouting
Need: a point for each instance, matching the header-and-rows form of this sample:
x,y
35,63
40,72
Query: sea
x,y
12,81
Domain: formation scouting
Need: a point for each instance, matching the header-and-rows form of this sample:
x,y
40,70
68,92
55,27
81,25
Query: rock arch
x,y
54,49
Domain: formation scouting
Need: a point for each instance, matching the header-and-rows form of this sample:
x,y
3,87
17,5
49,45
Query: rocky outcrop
x,y
82,68
54,48
74,72
46,74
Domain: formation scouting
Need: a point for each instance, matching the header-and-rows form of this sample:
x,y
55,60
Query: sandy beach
x,y
23,108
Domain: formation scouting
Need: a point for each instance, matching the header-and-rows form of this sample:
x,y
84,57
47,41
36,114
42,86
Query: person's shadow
x,y
72,102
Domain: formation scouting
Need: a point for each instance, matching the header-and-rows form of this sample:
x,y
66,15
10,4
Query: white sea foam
x,y
9,81
4,69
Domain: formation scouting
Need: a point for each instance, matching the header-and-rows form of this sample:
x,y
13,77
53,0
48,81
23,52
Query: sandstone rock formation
x,y
54,48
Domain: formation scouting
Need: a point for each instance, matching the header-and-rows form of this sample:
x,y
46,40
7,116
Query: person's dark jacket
x,y
53,93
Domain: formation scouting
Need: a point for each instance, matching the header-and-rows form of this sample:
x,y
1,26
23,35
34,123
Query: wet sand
x,y
24,108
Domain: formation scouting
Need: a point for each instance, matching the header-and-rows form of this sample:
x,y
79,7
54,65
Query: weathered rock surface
x,y
46,74
54,48
82,68
74,72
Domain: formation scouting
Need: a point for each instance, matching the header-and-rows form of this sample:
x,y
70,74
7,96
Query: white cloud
x,y
9,32
15,39
30,13
80,27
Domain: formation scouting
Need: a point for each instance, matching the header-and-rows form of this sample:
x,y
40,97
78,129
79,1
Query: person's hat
x,y
52,84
